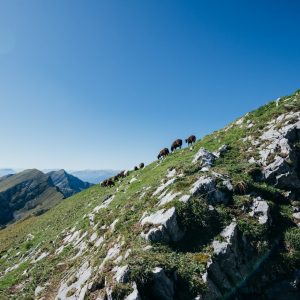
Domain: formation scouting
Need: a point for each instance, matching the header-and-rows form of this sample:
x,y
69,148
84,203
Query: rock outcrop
x,y
280,155
162,226
206,186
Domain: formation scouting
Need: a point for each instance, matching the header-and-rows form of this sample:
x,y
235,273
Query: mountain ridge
x,y
33,192
67,183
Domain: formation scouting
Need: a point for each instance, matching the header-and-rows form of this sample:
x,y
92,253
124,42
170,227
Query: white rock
x,y
43,255
93,237
163,186
38,290
104,204
164,226
171,173
99,241
296,216
227,234
206,186
83,274
239,121
168,198
260,209
127,253
133,180
113,224
205,158
185,198
121,274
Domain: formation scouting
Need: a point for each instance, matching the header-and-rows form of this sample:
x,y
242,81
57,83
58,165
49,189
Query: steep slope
x,y
30,191
214,221
67,183
94,176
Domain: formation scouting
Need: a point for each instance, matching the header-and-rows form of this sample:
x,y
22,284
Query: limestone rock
x,y
205,158
163,226
261,209
207,186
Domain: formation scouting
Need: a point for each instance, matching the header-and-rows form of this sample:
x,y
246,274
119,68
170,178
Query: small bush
x,y
241,187
120,291
194,214
292,239
253,230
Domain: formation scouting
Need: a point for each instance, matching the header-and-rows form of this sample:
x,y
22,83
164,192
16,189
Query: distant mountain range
x,y
4,172
93,176
34,192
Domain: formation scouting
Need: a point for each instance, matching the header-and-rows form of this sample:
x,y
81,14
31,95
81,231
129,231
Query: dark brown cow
x,y
107,182
176,144
119,175
190,140
141,165
163,153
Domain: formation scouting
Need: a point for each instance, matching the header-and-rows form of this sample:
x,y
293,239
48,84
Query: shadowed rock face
x,y
284,170
24,192
67,183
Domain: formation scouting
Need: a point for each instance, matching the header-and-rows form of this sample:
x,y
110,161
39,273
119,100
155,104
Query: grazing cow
x,y
110,182
190,140
103,183
163,153
119,175
135,168
176,144
107,182
141,165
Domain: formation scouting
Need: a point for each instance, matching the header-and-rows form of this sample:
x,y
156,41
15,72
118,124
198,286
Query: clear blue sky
x,y
106,84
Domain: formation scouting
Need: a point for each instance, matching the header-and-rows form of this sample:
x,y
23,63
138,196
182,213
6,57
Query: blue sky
x,y
106,84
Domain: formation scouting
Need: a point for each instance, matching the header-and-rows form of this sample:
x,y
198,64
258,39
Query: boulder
x,y
231,262
163,226
205,158
121,274
260,209
282,169
207,186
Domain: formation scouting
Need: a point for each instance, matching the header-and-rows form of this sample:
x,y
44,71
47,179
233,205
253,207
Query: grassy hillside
x,y
34,253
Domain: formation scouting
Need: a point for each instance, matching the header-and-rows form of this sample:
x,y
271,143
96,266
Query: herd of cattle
x,y
163,153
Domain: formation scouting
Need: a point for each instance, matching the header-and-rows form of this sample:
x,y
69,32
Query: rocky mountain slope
x,y
30,191
67,183
219,220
